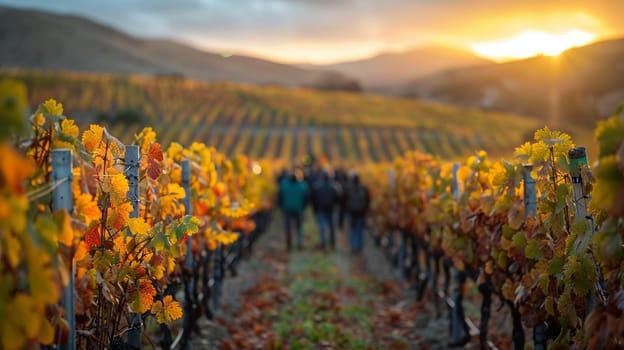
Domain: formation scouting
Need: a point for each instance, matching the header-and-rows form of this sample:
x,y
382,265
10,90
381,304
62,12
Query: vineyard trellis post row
x,y
540,336
62,199
131,162
218,271
460,333
188,263
186,184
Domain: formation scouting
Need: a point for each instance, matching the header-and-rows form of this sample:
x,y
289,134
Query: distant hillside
x,y
388,71
581,85
34,39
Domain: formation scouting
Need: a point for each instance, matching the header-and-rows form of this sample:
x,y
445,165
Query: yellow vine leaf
x,y
53,107
68,128
158,271
176,191
175,151
166,311
91,138
226,238
117,185
147,136
138,226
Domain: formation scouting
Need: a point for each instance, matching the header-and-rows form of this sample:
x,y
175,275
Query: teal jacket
x,y
293,195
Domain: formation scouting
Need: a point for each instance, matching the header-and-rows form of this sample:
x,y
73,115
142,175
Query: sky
x,y
325,31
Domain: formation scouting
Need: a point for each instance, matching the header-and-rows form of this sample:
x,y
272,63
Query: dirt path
x,y
311,299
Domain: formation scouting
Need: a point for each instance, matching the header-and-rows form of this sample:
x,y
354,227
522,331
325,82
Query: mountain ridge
x,y
44,40
581,85
388,70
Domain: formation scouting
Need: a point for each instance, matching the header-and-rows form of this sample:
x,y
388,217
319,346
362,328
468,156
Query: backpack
x,y
357,199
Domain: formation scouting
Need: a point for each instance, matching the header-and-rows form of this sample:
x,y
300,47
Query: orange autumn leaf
x,y
14,169
82,251
118,215
166,311
91,138
143,298
88,208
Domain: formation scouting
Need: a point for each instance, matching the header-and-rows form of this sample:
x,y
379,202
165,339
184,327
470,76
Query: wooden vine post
x,y
460,333
530,211
131,163
62,199
189,304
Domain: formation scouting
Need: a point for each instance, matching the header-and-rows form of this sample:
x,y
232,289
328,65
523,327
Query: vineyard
x,y
543,233
275,123
113,230
111,239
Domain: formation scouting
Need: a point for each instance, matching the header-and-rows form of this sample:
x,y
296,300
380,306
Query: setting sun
x,y
531,43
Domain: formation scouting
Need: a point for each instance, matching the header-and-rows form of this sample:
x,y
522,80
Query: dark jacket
x,y
324,195
357,198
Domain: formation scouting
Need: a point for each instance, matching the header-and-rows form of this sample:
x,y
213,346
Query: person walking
x,y
341,180
357,203
324,197
293,195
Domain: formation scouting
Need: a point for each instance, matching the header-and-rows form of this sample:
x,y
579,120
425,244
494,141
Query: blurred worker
x,y
357,202
324,198
293,196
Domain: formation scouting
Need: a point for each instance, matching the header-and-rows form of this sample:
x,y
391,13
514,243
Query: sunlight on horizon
x,y
531,43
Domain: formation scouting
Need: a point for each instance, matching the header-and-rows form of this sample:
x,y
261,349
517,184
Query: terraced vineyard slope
x,y
274,122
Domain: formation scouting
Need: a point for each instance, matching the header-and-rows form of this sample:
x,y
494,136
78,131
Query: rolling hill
x,y
275,122
580,86
35,39
388,71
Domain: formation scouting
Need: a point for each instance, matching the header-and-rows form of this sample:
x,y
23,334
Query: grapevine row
x,y
127,240
542,232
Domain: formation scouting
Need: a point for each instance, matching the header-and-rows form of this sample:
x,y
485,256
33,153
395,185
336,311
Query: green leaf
x,y
187,225
160,241
519,240
609,183
607,243
508,232
556,265
532,250
610,134
580,274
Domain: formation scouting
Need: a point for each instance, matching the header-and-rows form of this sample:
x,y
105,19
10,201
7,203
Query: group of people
x,y
333,199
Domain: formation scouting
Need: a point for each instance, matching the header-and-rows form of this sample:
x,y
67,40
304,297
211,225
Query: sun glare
x,y
531,43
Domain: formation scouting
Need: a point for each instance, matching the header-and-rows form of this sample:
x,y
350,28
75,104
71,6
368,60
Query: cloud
x,y
268,25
